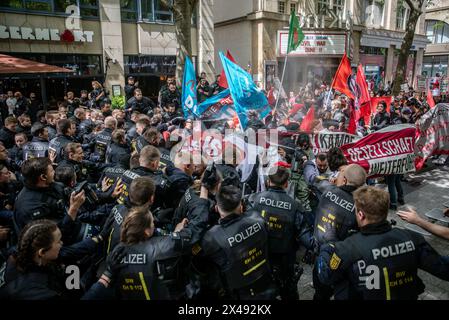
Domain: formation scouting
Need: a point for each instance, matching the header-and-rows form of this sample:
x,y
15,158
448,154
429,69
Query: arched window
x,y
437,31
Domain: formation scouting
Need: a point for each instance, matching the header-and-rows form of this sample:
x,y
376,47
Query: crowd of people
x,y
107,190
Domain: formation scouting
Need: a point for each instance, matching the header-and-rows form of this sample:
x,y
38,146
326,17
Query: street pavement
x,y
425,191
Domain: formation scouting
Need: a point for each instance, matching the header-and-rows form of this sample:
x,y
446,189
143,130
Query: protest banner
x,y
444,86
323,141
421,84
217,107
433,134
388,151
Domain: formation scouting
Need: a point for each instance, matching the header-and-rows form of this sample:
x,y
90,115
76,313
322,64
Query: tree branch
x,y
413,7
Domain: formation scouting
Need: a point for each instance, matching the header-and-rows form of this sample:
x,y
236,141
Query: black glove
x,y
210,177
114,262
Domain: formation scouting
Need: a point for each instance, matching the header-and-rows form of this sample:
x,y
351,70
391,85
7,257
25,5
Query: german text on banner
x,y
388,151
433,134
323,141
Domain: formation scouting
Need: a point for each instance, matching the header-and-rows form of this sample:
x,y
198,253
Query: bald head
x,y
353,175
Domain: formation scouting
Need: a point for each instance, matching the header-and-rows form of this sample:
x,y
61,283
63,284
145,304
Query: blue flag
x,y
246,95
217,107
189,101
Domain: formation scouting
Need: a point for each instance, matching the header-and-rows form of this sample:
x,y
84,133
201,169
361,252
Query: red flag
x,y
342,77
307,122
223,81
375,101
430,100
362,86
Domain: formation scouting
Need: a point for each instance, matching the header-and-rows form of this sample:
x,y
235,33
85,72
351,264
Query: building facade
x,y
369,31
436,56
104,40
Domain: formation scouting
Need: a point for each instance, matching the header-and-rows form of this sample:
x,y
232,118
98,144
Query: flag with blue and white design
x,y
189,100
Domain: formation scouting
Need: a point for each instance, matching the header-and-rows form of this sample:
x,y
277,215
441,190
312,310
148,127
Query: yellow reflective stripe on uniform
x,y
263,213
387,284
255,267
144,286
109,242
321,228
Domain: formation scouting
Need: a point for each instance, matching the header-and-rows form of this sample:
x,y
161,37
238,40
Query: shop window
x,y
88,8
13,4
281,7
128,10
433,65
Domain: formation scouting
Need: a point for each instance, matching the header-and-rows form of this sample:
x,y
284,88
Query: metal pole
x,y
282,83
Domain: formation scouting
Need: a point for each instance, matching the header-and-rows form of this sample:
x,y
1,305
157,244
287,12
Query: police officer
x,y
152,136
52,118
145,266
379,262
237,248
335,215
172,96
149,162
73,157
141,193
118,147
66,132
130,87
284,218
38,146
42,198
140,103
78,117
103,139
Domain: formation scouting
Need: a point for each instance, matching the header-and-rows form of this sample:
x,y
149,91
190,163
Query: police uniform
x,y
139,143
284,218
37,148
160,181
112,174
380,263
335,215
165,158
153,268
58,144
334,219
238,247
80,170
115,151
143,106
118,215
101,142
52,133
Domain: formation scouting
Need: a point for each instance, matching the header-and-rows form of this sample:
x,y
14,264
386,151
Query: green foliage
x,y
118,102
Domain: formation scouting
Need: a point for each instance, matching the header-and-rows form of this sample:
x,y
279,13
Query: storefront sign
x,y
43,34
314,44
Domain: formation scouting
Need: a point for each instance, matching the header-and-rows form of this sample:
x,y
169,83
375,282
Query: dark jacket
x,y
7,137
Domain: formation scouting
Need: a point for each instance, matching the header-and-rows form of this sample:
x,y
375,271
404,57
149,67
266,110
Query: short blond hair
x,y
373,202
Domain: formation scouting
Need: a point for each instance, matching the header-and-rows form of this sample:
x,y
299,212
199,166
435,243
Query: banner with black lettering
x,y
433,134
323,141
387,151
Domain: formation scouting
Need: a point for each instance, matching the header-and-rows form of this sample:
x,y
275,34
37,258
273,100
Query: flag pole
x,y
282,84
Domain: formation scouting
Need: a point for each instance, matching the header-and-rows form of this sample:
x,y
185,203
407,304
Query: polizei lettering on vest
x,y
275,203
340,202
393,250
135,258
245,234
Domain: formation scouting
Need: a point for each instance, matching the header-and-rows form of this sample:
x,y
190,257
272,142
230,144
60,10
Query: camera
x,y
91,196
210,177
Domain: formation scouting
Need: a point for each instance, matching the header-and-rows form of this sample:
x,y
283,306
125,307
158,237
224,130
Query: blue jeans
x,y
395,188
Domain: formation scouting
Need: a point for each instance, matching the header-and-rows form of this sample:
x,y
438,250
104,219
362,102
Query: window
x,y
324,6
281,7
128,10
88,8
374,13
61,5
435,64
293,7
402,15
155,11
38,5
437,31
